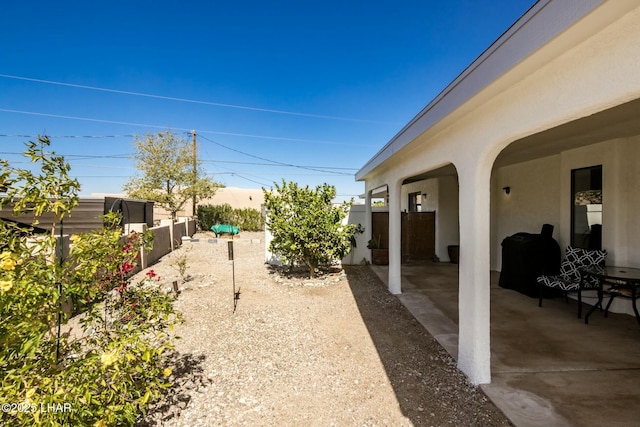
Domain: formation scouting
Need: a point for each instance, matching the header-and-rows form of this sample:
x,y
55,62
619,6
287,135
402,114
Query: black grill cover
x,y
526,256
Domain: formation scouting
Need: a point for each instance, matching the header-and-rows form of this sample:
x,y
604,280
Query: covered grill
x,y
526,256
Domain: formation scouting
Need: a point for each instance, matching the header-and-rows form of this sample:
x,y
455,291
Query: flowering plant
x,y
109,361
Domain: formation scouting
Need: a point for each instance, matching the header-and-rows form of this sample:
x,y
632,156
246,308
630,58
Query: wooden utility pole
x,y
195,170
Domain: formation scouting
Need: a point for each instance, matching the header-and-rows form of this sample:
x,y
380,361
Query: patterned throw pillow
x,y
578,257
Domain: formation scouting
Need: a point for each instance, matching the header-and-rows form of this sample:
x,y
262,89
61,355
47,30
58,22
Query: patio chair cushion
x,y
569,278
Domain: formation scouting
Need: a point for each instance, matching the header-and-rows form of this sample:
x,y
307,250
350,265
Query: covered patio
x,y
505,145
548,367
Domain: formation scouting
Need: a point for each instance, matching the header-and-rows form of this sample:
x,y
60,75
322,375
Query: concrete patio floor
x,y
548,368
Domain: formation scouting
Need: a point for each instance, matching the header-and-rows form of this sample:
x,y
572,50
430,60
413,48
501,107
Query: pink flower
x,y
127,267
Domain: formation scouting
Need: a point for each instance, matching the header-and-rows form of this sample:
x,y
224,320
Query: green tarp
x,y
225,229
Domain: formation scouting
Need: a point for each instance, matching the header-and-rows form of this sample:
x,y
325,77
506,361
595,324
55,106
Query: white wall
x,y
534,200
447,216
628,244
428,187
620,201
269,257
541,193
357,216
620,198
622,219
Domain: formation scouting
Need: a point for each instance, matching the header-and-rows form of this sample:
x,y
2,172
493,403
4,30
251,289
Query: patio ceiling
x,y
617,122
448,170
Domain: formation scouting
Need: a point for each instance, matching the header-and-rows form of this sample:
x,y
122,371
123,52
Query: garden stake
x,y
60,242
236,295
176,291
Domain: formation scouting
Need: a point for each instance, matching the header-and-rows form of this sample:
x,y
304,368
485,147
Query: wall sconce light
x,y
507,189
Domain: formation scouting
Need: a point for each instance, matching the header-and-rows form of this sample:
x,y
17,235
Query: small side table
x,y
624,282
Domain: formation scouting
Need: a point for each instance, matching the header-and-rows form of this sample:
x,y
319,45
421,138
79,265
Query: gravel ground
x,y
335,351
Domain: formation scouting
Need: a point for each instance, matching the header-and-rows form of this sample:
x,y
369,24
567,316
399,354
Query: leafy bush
x,y
209,215
111,361
306,227
249,219
246,219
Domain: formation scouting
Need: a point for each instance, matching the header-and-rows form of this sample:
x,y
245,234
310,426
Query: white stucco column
x,y
474,350
367,221
395,235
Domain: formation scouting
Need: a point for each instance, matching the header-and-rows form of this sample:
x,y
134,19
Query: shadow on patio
x,y
548,367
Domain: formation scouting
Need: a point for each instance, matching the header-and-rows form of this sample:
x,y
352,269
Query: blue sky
x,y
318,85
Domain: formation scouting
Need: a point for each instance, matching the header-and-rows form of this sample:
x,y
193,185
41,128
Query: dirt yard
x,y
335,351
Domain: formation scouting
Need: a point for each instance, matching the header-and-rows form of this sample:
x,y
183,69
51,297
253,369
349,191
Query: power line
x,y
86,119
280,138
266,174
192,101
104,156
101,176
129,156
271,164
186,130
207,172
235,173
106,167
251,180
209,161
69,136
81,156
323,169
274,161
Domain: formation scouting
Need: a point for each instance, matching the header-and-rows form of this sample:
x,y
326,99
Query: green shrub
x,y
306,227
209,215
249,219
246,219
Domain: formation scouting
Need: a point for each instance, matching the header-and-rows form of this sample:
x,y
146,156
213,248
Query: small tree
x,y
306,227
168,178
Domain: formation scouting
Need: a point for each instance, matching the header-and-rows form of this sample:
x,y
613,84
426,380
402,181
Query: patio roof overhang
x,y
617,122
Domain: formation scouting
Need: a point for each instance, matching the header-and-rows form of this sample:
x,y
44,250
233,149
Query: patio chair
x,y
569,279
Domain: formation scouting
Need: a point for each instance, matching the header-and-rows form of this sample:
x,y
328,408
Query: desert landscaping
x,y
336,350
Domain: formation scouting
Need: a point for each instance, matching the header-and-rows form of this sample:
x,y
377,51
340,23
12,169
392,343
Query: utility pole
x,y
195,170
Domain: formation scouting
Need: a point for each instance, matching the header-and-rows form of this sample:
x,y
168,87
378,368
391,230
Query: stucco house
x,y
555,101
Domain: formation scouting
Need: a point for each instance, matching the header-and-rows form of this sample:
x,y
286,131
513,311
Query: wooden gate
x,y
380,228
418,234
